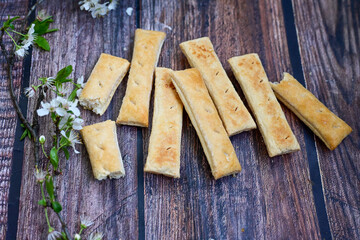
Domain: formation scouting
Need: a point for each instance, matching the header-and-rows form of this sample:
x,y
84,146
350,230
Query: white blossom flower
x,y
69,106
57,105
30,37
31,31
77,236
73,138
21,52
47,108
112,5
80,81
96,236
49,82
63,106
77,123
88,4
99,10
96,8
40,175
85,222
42,139
30,91
53,235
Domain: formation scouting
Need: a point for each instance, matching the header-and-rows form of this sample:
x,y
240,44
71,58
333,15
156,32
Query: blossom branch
x,y
63,111
10,60
9,68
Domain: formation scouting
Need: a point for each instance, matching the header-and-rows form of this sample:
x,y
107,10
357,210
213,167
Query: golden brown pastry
x,y
165,139
201,55
102,83
102,145
325,124
135,105
278,137
203,115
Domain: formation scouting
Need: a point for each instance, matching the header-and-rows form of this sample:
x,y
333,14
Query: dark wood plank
x,y
329,39
270,198
112,204
8,118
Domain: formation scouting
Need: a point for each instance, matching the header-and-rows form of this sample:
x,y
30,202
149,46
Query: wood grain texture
x,y
329,40
8,117
270,198
112,204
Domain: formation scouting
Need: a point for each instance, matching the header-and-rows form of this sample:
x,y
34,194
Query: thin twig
x,y
25,20
63,226
10,63
33,9
36,125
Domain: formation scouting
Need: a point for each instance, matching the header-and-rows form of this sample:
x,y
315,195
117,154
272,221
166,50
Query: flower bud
x,y
42,139
77,237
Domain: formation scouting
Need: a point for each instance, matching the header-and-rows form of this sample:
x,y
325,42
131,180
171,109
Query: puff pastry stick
x,y
135,105
325,124
214,139
278,137
102,145
103,82
165,139
201,55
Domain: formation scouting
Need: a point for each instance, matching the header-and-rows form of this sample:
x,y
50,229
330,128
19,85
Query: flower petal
x,y
63,133
75,111
42,112
73,146
60,111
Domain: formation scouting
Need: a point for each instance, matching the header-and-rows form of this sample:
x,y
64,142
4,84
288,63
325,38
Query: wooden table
x,y
310,194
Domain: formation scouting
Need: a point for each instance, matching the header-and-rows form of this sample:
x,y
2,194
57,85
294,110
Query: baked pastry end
x,y
102,145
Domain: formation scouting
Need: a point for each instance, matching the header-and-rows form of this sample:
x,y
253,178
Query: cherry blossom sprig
x,y
65,115
23,37
96,8
38,27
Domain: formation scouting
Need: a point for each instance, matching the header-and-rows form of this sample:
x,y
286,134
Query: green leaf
x,y
52,30
42,43
72,96
50,188
54,158
66,152
41,27
42,202
64,73
25,133
8,23
65,80
56,206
